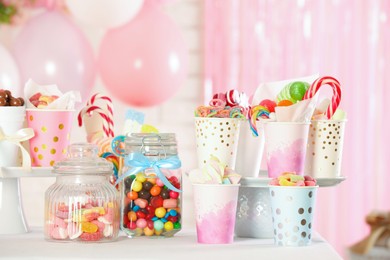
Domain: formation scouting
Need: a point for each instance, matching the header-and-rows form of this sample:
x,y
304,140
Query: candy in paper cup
x,y
250,150
11,120
325,148
292,214
217,137
285,144
215,210
52,135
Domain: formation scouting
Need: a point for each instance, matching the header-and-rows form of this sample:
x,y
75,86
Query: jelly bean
x,y
132,195
155,218
165,194
131,225
140,177
152,178
168,226
144,194
166,215
159,182
148,231
142,203
147,185
269,104
177,225
144,210
141,223
140,214
285,103
150,209
125,219
150,224
88,227
132,216
170,203
173,212
136,208
160,212
137,186
128,181
158,232
158,225
155,190
156,202
164,220
173,219
173,194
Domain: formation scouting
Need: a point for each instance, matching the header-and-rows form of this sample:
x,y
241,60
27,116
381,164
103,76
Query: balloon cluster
x,y
142,58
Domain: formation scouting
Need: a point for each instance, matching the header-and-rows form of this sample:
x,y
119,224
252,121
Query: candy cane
x,y
336,98
110,110
106,119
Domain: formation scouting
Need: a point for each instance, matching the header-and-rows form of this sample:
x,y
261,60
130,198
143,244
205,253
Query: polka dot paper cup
x,y
215,210
52,135
292,214
325,148
217,137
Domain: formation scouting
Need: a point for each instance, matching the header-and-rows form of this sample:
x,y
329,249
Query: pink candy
x,y
292,179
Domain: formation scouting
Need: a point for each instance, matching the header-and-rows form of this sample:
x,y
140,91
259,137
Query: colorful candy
x,y
151,205
6,99
255,113
336,98
292,179
293,92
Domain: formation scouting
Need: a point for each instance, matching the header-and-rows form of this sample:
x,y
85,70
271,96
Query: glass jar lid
x,y
83,159
152,144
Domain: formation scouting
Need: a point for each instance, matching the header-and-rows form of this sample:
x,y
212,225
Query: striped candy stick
x,y
336,98
95,99
106,119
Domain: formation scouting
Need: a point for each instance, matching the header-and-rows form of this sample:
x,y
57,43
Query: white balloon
x,y
9,73
104,13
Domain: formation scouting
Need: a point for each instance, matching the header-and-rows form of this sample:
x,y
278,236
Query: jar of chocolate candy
x,y
151,186
82,205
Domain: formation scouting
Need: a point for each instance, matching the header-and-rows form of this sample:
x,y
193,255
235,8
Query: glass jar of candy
x,y
82,205
151,186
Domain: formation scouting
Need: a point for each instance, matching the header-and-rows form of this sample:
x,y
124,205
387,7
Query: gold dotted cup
x,y
217,137
52,135
292,214
325,148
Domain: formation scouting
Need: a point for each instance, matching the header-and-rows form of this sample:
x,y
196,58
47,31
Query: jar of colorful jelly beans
x,y
82,205
151,186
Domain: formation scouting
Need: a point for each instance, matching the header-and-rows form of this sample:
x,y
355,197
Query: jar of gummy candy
x,y
150,187
82,205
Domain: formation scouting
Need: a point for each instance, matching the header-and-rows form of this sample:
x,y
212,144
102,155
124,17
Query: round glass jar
x,y
82,205
150,190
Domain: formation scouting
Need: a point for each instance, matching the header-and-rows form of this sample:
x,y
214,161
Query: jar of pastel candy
x,y
151,183
82,205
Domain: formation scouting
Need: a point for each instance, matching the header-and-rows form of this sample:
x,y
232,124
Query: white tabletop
x,y
182,246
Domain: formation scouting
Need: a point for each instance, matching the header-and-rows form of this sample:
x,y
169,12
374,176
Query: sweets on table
x,y
292,179
6,99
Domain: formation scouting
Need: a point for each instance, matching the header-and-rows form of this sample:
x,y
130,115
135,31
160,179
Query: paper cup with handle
x,y
52,135
215,210
285,144
292,214
217,137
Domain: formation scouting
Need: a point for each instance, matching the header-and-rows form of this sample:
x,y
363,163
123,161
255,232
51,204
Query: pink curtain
x,y
253,41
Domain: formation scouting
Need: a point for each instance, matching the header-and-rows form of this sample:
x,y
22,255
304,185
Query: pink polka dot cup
x,y
52,135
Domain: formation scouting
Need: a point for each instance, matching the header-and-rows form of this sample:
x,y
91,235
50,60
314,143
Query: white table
x,y
182,246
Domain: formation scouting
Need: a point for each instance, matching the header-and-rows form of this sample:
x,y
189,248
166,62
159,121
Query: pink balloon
x,y
144,62
50,49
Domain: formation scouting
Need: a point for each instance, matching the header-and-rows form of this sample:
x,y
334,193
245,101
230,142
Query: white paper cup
x,y
215,210
285,144
11,120
217,137
292,214
250,151
325,148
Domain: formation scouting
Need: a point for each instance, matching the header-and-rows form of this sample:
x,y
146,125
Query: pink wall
x,y
253,41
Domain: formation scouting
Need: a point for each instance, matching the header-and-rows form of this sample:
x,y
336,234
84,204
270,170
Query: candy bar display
x,y
151,186
82,205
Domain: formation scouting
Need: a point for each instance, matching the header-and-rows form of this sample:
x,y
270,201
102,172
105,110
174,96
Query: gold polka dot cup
x,y
217,137
292,214
52,135
324,149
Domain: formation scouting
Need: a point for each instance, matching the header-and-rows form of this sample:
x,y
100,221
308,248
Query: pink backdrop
x,y
253,41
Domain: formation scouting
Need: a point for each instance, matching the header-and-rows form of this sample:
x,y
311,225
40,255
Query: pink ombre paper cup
x,y
215,210
285,143
52,135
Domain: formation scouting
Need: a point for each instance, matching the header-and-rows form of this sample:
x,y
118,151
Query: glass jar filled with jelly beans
x,y
151,186
82,205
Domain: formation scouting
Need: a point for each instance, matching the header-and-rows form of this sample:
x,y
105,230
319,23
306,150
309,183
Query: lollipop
x,y
256,112
293,92
336,98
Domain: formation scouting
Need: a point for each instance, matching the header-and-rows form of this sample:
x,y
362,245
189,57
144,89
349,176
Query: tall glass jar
x,y
151,186
82,205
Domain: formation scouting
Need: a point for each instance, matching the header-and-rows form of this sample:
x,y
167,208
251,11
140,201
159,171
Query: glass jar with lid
x,y
151,185
82,205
